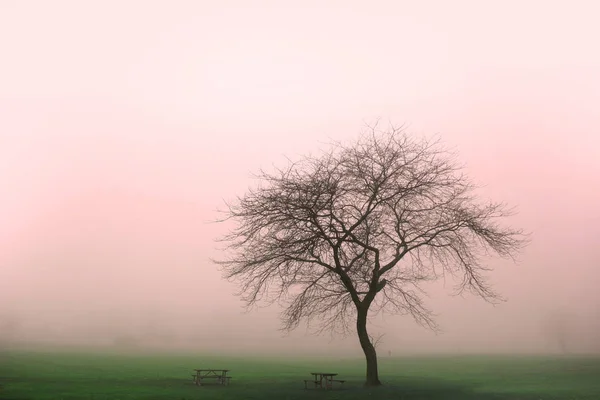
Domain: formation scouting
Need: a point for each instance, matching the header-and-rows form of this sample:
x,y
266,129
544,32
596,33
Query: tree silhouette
x,y
558,326
358,229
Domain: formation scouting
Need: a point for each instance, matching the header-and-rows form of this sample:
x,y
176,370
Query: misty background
x,y
124,125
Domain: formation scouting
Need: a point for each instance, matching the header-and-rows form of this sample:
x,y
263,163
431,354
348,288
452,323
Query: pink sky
x,y
124,124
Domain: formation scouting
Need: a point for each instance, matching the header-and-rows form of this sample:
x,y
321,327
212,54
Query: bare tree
x,y
359,229
9,327
558,327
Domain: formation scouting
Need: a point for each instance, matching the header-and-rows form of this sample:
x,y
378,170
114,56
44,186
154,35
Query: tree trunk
x,y
368,349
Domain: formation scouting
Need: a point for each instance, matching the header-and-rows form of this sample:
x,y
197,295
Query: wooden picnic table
x,y
320,377
219,374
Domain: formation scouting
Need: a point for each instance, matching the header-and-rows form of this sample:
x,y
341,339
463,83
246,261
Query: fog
x,y
125,125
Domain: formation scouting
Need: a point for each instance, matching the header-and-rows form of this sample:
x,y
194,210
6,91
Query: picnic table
x,y
220,375
322,377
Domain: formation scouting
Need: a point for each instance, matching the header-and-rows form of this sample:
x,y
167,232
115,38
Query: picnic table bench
x,y
322,377
220,375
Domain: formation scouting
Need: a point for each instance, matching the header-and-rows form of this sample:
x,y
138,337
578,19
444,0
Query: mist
x,y
125,126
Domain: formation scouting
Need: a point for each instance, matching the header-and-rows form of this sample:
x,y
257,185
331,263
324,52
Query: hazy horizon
x,y
125,125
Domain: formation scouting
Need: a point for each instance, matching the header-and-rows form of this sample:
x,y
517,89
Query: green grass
x,y
85,376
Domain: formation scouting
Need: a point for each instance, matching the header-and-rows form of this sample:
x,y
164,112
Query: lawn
x,y
75,376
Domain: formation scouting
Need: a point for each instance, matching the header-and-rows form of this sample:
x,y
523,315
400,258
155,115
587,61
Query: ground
x,y
86,376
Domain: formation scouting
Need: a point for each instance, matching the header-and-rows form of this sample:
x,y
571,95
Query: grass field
x,y
74,376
